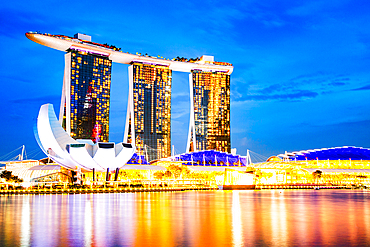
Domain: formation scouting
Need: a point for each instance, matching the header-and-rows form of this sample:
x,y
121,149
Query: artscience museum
x,y
80,153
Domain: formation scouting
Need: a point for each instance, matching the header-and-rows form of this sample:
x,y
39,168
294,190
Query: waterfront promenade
x,y
120,188
84,190
107,187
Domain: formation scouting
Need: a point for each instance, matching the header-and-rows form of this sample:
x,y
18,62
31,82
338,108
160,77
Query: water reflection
x,y
88,223
26,222
278,218
238,218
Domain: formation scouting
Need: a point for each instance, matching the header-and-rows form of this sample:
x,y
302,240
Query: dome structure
x,y
211,158
336,153
56,143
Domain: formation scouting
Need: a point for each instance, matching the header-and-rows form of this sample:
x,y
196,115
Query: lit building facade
x,y
86,95
150,107
209,127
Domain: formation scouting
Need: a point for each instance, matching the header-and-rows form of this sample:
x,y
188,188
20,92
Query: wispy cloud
x,y
298,95
22,20
298,88
320,79
367,87
312,8
180,95
43,99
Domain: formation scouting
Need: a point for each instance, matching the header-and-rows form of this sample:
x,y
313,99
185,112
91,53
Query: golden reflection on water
x,y
26,222
195,218
237,224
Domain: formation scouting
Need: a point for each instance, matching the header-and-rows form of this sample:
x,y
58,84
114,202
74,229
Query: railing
x,y
109,187
303,186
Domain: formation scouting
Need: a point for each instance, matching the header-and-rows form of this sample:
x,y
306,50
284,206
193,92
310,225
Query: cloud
x,y
41,100
180,96
320,79
15,21
16,116
176,115
20,20
267,16
17,78
367,87
274,88
296,89
298,95
313,8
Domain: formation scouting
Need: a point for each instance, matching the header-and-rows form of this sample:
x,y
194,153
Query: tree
x,y
7,175
179,171
317,175
167,174
158,175
175,170
130,174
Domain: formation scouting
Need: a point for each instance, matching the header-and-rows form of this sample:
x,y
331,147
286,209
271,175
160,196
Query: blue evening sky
x,y
301,75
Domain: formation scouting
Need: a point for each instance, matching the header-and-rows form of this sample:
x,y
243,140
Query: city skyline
x,y
300,78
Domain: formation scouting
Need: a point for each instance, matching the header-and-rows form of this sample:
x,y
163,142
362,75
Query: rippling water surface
x,y
194,218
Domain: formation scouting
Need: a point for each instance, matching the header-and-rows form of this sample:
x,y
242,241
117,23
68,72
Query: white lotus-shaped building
x,y
74,154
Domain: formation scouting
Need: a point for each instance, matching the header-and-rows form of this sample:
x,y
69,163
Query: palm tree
x,y
317,175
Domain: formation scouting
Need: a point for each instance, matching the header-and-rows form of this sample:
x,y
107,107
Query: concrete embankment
x,y
98,190
307,187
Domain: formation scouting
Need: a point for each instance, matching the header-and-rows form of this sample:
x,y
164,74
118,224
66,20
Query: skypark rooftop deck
x,y
64,43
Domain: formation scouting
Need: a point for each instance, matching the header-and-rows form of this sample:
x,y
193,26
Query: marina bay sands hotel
x,y
85,101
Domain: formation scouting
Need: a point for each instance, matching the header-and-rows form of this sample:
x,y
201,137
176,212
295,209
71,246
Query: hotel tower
x,y
209,127
149,105
86,95
84,108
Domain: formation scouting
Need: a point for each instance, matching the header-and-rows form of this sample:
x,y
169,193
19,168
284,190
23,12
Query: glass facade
x,y
90,96
152,110
211,92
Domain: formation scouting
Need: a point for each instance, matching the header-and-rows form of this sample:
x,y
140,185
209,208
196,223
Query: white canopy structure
x,y
74,154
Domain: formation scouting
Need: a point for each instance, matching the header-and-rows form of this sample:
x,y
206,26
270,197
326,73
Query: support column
x,y
63,99
117,172
130,109
191,134
128,114
66,94
107,175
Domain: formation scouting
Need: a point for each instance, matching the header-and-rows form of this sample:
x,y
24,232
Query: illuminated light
x,y
78,48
